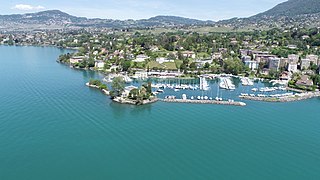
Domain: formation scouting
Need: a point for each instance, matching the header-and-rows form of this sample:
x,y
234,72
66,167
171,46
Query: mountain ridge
x,y
62,19
291,13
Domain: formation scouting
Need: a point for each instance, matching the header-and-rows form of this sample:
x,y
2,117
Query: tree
x,y
206,65
117,85
126,65
233,66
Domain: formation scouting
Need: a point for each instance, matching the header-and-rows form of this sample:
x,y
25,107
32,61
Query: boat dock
x,y
233,103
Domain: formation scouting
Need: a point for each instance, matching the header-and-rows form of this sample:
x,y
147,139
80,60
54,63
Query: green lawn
x,y
170,66
155,64
178,63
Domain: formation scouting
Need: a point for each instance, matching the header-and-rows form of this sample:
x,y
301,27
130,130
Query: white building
x,y
292,67
99,64
162,60
253,65
76,59
141,58
189,54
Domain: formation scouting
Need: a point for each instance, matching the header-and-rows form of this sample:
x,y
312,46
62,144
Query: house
x,y
223,50
291,46
141,58
189,54
304,81
201,62
162,60
76,59
127,90
217,56
285,75
292,67
305,37
99,64
274,63
305,64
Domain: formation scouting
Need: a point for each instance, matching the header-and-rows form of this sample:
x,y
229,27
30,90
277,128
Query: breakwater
x,y
296,97
234,103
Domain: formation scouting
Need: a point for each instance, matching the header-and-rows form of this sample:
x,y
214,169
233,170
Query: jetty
x,y
289,98
233,103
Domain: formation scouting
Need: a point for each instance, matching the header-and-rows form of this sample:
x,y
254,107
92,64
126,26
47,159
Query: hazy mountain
x,y
58,19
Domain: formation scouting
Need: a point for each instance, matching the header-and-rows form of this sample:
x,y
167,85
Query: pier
x,y
233,103
296,97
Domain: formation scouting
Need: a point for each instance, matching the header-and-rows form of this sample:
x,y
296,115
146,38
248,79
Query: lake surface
x,y
53,127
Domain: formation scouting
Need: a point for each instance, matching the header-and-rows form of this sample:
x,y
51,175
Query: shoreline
x,y
104,91
133,102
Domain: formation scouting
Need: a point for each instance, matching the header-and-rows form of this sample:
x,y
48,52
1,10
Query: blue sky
x,y
139,9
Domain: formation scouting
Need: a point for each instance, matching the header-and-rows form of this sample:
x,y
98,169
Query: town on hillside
x,y
291,55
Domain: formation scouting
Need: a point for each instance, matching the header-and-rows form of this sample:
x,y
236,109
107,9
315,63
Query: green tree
x,y
126,65
117,85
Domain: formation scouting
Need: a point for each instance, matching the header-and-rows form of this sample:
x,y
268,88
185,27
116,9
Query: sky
x,y
143,9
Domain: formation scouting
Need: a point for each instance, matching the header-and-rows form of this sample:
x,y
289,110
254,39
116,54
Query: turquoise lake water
x,y
53,127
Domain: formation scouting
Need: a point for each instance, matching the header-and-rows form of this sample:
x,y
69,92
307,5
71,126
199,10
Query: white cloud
x,y
26,7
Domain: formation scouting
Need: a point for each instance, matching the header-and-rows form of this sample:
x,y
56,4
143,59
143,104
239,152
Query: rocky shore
x,y
134,102
104,91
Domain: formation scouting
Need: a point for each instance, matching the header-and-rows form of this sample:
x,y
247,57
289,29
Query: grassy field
x,y
178,63
154,64
170,66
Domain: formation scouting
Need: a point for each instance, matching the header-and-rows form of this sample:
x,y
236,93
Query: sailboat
x,y
217,98
203,84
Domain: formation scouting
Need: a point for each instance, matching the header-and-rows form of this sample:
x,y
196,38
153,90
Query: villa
x,y
189,54
76,59
99,64
141,58
304,81
162,60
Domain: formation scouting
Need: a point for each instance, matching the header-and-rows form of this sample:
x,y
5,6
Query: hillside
x,y
55,19
292,8
292,13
